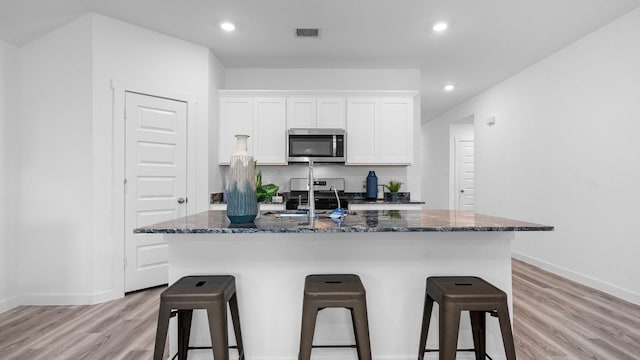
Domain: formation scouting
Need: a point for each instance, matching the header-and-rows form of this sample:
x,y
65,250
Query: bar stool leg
x,y
235,318
449,327
164,313
361,330
184,332
478,329
309,314
505,329
426,320
218,330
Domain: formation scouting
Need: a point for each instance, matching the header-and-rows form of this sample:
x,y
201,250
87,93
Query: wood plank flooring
x,y
554,319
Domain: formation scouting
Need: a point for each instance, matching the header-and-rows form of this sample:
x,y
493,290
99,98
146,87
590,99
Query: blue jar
x,y
372,186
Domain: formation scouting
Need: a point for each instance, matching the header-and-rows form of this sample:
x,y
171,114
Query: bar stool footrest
x,y
463,350
334,346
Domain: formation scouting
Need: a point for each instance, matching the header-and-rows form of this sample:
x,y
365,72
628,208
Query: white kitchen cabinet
x,y
363,116
263,119
269,130
301,113
380,131
316,113
331,113
235,117
395,142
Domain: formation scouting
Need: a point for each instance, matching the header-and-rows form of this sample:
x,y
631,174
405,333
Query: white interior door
x,y
156,182
465,174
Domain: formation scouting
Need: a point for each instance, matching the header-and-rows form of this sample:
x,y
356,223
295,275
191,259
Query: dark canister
x,y
372,186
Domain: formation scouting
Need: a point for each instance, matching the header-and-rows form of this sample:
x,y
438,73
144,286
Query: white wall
x,y
217,80
135,55
564,152
8,90
337,79
54,149
70,249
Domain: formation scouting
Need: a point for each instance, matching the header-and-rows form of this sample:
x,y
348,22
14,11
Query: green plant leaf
x,y
266,191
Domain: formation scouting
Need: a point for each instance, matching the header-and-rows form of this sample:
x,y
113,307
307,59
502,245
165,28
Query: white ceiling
x,y
487,41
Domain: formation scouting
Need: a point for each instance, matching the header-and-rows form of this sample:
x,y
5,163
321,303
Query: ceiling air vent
x,y
307,33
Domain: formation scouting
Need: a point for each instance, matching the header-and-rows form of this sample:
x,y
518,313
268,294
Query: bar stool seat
x,y
455,294
334,291
211,293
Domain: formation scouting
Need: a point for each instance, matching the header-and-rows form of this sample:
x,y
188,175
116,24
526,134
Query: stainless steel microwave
x,y
319,145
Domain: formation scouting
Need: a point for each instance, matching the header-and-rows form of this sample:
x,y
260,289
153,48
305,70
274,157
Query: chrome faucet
x,y
312,198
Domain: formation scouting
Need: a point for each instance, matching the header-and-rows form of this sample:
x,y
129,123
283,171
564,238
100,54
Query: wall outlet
x,y
364,184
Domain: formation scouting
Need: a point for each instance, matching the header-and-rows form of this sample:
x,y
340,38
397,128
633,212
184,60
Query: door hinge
x,y
125,262
125,186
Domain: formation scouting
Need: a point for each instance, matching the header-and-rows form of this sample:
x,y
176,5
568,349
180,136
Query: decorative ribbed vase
x,y
242,201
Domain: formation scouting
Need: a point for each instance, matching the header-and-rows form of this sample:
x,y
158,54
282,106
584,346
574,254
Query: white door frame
x,y
120,87
453,194
455,176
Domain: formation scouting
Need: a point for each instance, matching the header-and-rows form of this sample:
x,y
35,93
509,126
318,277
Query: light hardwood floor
x,y
554,319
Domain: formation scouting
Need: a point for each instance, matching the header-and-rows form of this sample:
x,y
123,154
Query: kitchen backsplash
x,y
354,175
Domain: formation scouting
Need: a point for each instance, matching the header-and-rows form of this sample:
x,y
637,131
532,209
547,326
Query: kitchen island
x,y
392,251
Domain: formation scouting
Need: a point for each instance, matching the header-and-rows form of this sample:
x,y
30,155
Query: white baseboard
x,y
8,303
580,278
330,354
69,299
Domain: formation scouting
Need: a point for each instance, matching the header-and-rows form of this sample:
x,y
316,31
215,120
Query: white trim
x,y
341,354
321,93
66,299
120,87
8,303
580,278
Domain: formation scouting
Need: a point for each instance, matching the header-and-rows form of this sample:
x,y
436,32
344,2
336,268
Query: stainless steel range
x,y
325,190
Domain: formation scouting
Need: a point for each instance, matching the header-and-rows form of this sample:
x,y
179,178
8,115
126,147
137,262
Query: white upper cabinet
x,y
363,116
395,142
235,117
263,119
331,113
380,131
269,128
312,112
301,112
380,125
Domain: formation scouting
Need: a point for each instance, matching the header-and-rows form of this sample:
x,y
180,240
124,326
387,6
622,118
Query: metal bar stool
x,y
211,293
334,291
455,294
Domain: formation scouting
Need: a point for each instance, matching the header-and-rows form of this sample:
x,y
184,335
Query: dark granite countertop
x,y
215,221
381,201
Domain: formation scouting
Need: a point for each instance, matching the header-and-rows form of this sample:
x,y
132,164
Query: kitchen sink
x,y
290,213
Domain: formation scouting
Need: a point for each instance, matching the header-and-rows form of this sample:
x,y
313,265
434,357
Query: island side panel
x,y
270,269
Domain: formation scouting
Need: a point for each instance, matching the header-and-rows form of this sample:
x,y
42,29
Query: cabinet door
x,y
235,117
395,144
269,127
331,113
362,132
301,113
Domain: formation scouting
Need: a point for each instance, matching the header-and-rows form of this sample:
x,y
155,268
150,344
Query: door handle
x,y
181,200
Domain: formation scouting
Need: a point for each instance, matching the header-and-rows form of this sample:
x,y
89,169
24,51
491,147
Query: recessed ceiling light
x,y
227,26
449,87
440,26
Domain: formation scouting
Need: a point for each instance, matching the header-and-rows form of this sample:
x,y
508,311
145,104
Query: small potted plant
x,y
264,192
394,187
